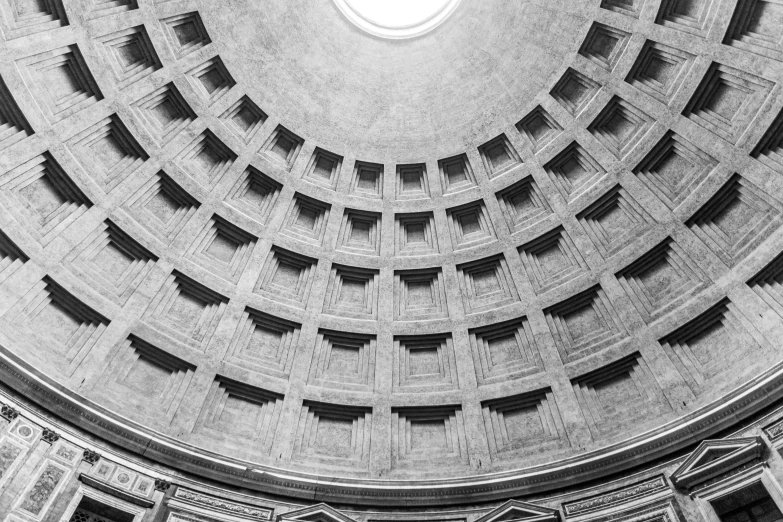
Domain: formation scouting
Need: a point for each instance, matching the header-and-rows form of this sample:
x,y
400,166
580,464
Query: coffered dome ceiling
x,y
536,245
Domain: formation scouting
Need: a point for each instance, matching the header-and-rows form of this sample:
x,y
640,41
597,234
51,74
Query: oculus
x,y
397,18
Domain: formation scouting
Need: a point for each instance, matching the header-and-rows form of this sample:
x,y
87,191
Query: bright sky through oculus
x,y
397,18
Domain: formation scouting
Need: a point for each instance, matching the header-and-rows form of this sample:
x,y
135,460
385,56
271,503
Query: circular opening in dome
x,y
397,18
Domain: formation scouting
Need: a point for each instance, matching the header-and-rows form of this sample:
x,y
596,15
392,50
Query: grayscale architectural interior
x,y
262,262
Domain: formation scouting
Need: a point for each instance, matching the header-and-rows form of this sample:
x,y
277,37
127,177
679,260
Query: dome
x,y
323,250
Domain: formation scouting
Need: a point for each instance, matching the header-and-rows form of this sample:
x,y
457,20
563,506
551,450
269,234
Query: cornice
x,y
683,432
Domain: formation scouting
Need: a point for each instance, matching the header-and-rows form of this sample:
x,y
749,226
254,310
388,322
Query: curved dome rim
x,y
378,29
743,402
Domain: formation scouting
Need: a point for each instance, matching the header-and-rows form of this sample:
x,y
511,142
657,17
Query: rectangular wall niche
x,y
573,171
352,292
574,91
43,192
486,284
690,16
334,435
145,379
415,234
660,70
604,45
244,118
367,180
306,219
662,279
621,394
108,151
211,79
674,168
727,100
100,8
756,27
54,316
162,206
186,33
424,363
130,54
584,323
241,411
523,424
44,15
504,351
222,248
412,182
360,232
614,221
620,126
11,257
736,220
456,174
707,348
187,310
255,194
324,168
768,284
470,225
419,295
770,149
551,260
164,112
206,159
499,156
112,261
288,276
13,125
264,343
540,128
344,361
627,7
283,147
523,204
427,436
61,82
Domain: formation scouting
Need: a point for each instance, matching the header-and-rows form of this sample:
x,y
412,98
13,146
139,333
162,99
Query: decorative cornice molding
x,y
521,511
116,492
675,435
732,454
621,496
327,512
658,511
222,505
775,430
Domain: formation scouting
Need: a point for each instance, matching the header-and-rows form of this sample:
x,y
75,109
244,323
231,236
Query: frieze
x,y
775,430
657,512
223,505
66,453
513,483
616,497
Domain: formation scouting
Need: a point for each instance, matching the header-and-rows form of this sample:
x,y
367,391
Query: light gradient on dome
x,y
525,267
